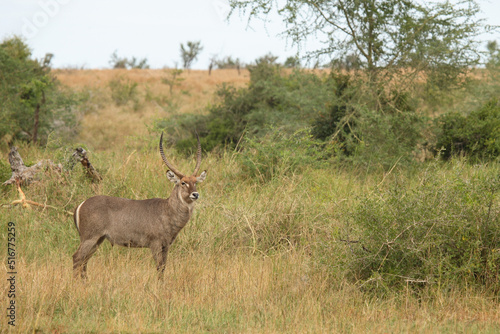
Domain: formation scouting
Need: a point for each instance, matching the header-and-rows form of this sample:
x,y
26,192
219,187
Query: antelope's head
x,y
185,185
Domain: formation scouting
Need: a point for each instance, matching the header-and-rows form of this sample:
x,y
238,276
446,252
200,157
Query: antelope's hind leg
x,y
82,255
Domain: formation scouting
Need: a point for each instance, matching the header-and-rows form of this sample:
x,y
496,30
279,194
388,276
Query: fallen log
x,y
26,175
22,175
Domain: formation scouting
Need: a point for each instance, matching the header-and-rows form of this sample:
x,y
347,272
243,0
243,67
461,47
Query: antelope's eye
x,y
183,183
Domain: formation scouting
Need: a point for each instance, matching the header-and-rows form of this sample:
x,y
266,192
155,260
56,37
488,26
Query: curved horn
x,y
172,168
198,156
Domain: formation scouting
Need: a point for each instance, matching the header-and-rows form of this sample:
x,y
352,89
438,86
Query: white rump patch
x,y
77,216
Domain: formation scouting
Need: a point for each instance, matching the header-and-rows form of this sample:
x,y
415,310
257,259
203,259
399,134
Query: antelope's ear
x,y
202,176
172,177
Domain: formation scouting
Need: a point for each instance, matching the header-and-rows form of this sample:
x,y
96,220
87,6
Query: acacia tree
x,y
190,52
436,38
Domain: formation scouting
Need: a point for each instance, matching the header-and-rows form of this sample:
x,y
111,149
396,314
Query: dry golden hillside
x,y
105,123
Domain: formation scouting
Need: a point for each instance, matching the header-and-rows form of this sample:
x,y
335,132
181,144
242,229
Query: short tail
x,y
76,216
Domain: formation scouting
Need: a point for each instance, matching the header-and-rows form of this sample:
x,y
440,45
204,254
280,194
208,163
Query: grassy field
x,y
261,257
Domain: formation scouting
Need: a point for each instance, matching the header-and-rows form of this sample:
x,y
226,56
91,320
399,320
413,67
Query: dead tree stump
x,y
26,175
81,155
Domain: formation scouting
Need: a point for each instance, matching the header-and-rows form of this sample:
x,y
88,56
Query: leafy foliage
x,y
337,118
190,52
278,154
329,105
123,91
391,40
267,59
493,60
226,62
366,136
292,62
384,139
271,98
123,62
477,134
172,78
443,231
33,102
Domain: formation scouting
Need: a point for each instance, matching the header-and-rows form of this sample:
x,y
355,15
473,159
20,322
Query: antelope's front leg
x,y
159,252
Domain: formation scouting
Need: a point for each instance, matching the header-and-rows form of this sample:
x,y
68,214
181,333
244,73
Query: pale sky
x,y
86,32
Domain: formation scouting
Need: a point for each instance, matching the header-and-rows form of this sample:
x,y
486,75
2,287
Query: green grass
x,y
256,257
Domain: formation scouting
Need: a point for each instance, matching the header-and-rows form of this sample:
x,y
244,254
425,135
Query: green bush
x,y
331,105
5,171
227,63
272,98
292,62
383,138
123,91
29,92
477,134
123,62
337,119
444,231
366,133
278,154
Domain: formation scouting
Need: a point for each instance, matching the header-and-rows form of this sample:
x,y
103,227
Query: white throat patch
x,y
190,205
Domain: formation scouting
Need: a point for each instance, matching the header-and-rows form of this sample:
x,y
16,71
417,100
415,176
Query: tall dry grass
x,y
237,293
256,257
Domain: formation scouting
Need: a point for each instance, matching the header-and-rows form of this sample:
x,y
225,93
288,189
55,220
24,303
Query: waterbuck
x,y
152,223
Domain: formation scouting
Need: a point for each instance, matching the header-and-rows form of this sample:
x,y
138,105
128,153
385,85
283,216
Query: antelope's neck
x,y
179,205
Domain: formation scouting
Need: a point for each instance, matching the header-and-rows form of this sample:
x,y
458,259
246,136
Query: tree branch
x,y
81,155
354,35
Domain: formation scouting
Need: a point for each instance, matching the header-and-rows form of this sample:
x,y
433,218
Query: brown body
x,y
152,223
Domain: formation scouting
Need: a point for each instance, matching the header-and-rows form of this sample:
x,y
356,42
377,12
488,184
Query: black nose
x,y
195,195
